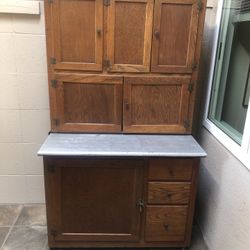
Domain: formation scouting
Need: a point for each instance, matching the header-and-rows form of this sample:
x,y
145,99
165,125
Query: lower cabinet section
x,y
116,202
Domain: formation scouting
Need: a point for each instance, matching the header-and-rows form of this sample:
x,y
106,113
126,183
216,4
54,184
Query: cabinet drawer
x,y
168,193
166,223
170,169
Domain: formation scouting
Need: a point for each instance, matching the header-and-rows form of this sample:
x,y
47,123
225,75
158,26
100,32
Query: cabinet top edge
x,y
128,145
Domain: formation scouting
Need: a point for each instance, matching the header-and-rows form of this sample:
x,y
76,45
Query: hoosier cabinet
x,y
120,163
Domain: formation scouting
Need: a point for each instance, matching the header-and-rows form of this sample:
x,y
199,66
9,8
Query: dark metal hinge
x,y
106,63
50,1
199,5
194,66
106,2
56,122
53,83
52,60
186,124
53,233
190,87
51,168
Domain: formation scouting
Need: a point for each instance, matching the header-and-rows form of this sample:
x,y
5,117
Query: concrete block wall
x,y
24,106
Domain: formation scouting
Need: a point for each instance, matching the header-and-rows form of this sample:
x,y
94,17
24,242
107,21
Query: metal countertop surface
x,y
70,144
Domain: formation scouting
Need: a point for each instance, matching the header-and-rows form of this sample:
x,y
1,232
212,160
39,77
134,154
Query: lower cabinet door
x,y
86,103
93,200
156,104
166,223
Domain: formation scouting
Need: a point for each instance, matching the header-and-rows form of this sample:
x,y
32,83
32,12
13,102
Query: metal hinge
x,y
53,233
50,1
52,60
194,66
51,168
56,122
106,2
199,5
186,124
190,87
106,63
53,83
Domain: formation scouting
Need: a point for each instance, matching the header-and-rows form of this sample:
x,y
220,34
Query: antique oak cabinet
x,y
122,82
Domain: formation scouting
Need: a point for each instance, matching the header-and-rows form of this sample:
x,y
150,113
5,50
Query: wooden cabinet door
x,y
86,103
174,36
93,200
75,29
129,35
156,104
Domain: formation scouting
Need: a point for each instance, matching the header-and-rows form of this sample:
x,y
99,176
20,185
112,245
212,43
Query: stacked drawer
x,y
168,199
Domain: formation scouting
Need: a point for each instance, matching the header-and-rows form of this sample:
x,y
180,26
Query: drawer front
x,y
170,169
166,223
168,193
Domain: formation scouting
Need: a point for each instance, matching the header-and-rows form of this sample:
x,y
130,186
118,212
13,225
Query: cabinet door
x,y
156,104
129,35
76,34
87,103
174,35
93,200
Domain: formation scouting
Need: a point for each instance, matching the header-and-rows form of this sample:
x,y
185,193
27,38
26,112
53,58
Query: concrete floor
x,y
23,227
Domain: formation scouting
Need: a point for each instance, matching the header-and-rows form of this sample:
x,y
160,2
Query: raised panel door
x,y
129,35
156,104
87,103
75,29
93,200
174,36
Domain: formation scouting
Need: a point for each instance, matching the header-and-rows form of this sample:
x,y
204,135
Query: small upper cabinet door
x,y
129,35
174,36
156,104
76,34
86,103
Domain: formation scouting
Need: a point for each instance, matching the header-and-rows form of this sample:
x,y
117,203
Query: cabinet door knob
x,y
126,104
166,226
157,34
99,32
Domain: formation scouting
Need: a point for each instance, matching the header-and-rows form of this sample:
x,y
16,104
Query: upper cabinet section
x,y
123,36
174,35
76,34
129,35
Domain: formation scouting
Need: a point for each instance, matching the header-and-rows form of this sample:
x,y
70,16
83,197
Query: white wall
x,y
223,204
24,107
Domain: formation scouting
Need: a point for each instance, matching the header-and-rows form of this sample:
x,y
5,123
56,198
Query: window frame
x,y
241,152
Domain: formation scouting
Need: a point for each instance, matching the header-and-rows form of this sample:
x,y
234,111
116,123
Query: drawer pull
x,y
166,226
168,195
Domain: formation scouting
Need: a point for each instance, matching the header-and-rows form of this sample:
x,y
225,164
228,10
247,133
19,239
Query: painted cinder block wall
x,y
24,106
223,202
